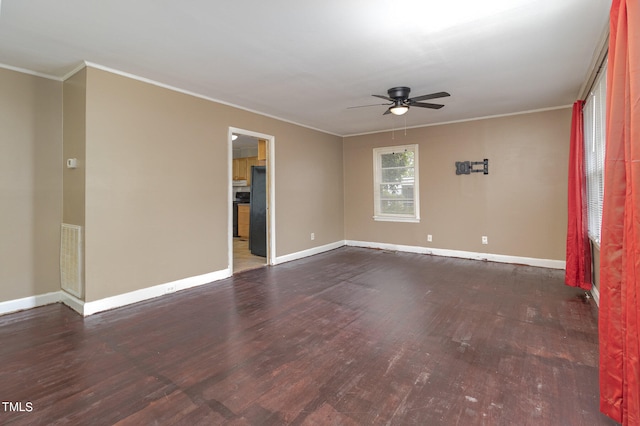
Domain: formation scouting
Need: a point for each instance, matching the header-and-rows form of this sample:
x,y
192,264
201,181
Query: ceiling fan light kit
x,y
399,109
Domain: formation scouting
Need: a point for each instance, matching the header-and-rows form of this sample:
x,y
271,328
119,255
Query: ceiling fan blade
x,y
426,105
430,96
364,106
386,98
388,111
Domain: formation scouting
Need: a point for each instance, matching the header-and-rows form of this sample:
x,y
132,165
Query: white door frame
x,y
271,194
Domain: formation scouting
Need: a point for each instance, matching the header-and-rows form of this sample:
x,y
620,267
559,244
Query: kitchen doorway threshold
x,y
243,259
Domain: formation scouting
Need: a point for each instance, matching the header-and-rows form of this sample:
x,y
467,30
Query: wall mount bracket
x,y
468,167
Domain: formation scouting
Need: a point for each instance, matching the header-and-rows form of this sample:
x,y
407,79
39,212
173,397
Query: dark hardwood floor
x,y
349,337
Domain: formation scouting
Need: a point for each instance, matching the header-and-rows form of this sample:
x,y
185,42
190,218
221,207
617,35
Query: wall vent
x,y
71,259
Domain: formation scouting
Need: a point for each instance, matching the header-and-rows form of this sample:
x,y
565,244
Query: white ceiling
x,y
307,62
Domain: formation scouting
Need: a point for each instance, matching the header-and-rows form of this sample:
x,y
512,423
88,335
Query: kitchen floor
x,y
242,257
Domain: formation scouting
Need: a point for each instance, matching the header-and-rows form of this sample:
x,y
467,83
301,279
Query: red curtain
x,y
620,239
578,269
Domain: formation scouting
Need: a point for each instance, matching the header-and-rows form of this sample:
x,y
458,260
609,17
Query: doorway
x,y
251,198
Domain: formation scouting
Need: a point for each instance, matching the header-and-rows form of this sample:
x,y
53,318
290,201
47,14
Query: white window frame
x,y
594,115
377,181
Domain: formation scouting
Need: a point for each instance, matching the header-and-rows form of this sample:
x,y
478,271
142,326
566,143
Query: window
x,y
594,113
395,191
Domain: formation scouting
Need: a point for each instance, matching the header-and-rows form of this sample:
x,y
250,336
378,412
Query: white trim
x,y
271,181
271,171
309,252
29,72
377,181
396,219
230,199
81,66
501,258
72,302
464,120
197,95
89,308
29,302
136,296
596,294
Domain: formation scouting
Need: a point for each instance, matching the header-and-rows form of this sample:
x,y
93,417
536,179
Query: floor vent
x,y
71,259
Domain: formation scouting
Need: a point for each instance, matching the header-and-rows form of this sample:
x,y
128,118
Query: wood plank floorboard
x,y
349,337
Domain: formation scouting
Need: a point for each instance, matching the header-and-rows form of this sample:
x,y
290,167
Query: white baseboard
x,y
308,252
90,308
72,302
29,302
531,261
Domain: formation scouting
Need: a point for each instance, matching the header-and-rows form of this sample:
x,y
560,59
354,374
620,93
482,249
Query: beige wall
x,y
520,205
309,188
74,140
152,183
30,184
157,184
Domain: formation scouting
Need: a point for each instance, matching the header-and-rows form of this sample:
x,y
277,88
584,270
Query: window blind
x,y
594,114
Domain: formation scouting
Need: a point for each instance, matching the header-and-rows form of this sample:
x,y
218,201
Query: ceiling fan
x,y
399,100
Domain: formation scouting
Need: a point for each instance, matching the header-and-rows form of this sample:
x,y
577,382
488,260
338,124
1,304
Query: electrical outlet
x,y
485,239
429,238
313,236
170,289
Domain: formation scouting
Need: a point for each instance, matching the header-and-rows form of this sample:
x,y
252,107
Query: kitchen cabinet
x,y
262,151
243,220
239,168
242,168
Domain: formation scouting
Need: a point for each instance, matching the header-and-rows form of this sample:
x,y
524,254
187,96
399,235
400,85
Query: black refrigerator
x,y
258,212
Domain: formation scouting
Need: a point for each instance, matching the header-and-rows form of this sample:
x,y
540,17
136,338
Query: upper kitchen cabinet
x,y
240,169
262,152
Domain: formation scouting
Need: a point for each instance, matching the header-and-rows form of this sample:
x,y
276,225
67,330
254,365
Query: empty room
x,y
341,213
